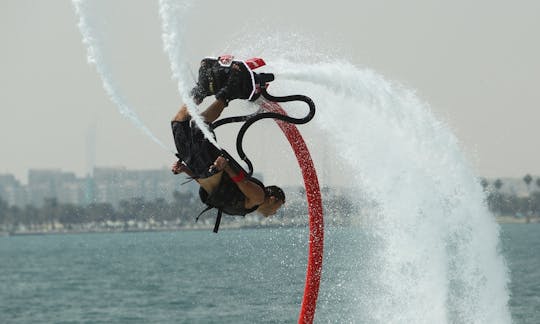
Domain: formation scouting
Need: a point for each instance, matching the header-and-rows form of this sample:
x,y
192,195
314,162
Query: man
x,y
224,184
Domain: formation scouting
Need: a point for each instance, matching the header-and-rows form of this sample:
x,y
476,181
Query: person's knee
x,y
182,114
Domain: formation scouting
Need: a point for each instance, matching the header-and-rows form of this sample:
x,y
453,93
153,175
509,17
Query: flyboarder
x,y
223,183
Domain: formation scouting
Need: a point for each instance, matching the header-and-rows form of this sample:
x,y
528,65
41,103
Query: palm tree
x,y
50,210
498,184
527,179
495,198
536,199
484,183
4,208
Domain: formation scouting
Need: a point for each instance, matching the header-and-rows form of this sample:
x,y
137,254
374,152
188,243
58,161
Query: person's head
x,y
274,198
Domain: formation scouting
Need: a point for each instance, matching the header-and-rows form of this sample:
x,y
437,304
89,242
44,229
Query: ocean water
x,y
521,247
429,250
237,276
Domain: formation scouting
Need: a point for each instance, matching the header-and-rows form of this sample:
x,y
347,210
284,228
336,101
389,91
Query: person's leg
x,y
213,111
182,114
209,115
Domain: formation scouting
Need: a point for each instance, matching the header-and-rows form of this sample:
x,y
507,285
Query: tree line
x,y
508,204
185,206
182,208
181,211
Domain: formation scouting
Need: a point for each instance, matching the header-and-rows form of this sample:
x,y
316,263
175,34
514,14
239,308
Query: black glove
x,y
232,89
198,94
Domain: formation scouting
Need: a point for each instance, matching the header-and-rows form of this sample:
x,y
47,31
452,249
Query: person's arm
x,y
253,192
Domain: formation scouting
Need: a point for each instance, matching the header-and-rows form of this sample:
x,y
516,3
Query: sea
x,y
195,276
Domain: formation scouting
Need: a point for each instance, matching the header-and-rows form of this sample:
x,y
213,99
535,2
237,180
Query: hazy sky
x,y
475,63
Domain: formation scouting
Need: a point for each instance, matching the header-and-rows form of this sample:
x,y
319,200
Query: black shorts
x,y
193,148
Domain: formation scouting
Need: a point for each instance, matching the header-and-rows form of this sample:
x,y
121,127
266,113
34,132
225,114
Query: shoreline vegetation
x,y
232,222
152,226
142,215
145,226
517,220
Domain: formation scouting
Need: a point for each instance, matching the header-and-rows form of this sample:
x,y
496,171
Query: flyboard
x,y
272,109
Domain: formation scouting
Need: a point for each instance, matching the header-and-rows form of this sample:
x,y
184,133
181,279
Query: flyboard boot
x,y
228,79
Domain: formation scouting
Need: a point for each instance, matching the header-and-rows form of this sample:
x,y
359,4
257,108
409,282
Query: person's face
x,y
271,206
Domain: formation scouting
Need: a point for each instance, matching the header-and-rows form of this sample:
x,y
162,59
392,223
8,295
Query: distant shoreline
x,y
142,227
517,220
200,227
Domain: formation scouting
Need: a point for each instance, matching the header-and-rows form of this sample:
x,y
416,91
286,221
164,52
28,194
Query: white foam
x,y
88,15
172,14
434,256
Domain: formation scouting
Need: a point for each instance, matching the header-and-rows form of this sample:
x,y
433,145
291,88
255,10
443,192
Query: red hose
x,y
316,223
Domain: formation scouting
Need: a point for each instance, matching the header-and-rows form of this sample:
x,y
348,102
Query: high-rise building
x,y
115,184
11,190
54,183
106,185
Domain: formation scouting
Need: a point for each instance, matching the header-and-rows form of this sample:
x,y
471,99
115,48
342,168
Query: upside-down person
x,y
223,183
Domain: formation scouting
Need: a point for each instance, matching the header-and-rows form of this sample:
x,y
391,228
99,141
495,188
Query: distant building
x,y
11,190
113,185
54,183
106,185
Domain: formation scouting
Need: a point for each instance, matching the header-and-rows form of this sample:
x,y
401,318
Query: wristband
x,y
239,177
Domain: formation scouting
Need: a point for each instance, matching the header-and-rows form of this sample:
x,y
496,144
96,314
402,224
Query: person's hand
x,y
197,100
198,94
178,167
220,163
232,89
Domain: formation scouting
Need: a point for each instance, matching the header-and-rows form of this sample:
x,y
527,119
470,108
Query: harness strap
x,y
218,220
188,180
218,217
204,211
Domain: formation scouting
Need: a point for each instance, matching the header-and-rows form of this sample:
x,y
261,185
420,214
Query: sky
x,y
474,62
